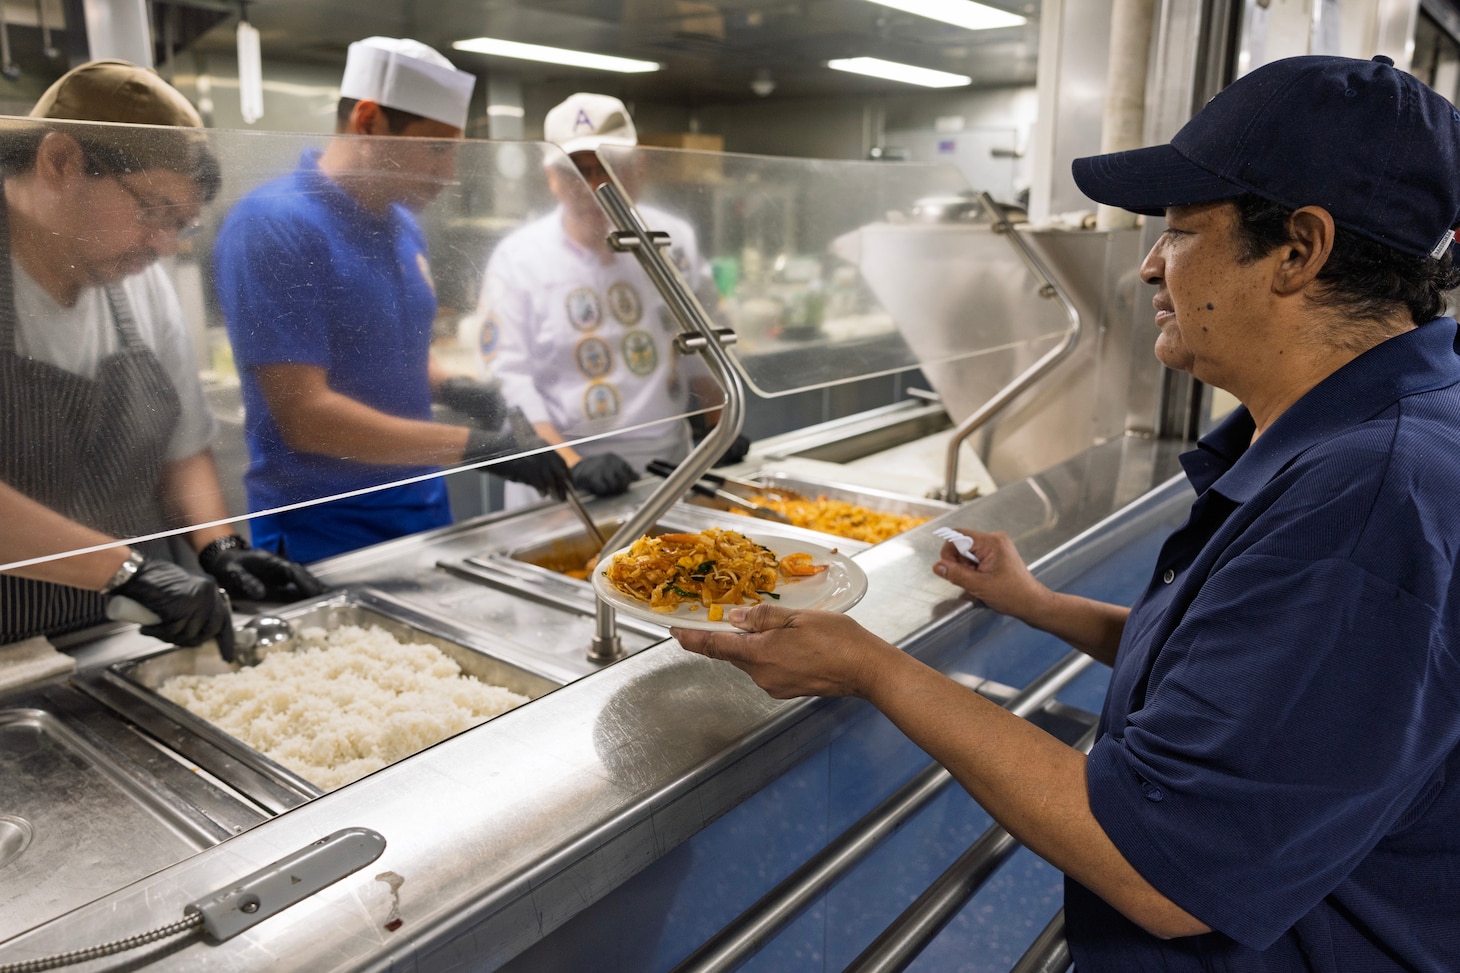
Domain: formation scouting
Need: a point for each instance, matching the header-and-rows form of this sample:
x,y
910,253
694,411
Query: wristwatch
x,y
125,573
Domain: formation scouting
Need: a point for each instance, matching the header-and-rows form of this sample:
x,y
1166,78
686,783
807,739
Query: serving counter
x,y
581,810
637,804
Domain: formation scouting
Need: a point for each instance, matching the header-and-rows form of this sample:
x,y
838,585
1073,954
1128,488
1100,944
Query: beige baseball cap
x,y
124,93
585,121
116,91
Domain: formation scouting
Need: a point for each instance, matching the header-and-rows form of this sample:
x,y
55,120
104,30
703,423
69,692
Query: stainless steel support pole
x,y
752,929
1050,952
910,933
1049,288
693,322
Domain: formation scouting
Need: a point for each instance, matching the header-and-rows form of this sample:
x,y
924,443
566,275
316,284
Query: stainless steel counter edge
x,y
504,832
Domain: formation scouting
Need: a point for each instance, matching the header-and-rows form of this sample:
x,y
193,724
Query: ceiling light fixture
x,y
875,67
555,55
960,13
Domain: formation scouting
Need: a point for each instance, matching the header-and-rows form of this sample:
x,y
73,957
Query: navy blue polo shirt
x,y
1280,749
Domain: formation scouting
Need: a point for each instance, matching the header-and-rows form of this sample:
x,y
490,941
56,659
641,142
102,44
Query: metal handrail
x,y
633,236
1050,288
744,936
919,924
1050,952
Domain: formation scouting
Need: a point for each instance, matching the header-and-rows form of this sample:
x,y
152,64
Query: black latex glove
x,y
482,403
700,427
192,609
546,471
736,452
253,575
605,475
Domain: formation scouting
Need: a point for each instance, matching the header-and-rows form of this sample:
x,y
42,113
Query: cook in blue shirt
x,y
1276,783
329,301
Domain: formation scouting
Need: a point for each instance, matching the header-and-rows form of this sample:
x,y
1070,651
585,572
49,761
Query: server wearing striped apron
x,y
103,428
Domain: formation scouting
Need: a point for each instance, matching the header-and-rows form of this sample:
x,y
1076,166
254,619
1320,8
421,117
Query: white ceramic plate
x,y
836,589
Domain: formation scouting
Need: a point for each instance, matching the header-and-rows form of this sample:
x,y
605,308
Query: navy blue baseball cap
x,y
1366,141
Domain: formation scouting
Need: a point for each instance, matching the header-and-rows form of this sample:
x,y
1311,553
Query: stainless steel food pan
x,y
881,501
536,571
131,687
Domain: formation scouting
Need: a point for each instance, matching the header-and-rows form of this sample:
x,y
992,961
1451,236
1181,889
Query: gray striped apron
x,y
91,449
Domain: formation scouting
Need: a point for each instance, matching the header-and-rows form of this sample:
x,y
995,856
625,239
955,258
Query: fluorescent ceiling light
x,y
875,67
555,55
960,13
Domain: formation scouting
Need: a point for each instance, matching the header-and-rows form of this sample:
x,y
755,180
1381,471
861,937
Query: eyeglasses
x,y
159,216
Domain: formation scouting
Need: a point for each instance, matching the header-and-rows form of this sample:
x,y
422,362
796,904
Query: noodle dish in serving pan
x,y
688,580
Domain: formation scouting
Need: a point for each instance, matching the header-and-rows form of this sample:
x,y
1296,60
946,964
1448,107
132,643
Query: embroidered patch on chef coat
x,y
594,357
584,309
600,401
424,266
624,302
487,337
640,353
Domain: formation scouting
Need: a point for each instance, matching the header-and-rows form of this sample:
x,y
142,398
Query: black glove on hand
x,y
700,427
191,609
605,475
736,452
252,575
545,472
482,403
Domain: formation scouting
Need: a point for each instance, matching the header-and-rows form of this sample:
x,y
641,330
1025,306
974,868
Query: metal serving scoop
x,y
257,633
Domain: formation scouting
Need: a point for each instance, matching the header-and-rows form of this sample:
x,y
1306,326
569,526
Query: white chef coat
x,y
586,345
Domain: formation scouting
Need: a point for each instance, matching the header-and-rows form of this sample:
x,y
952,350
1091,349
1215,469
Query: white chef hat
x,y
408,76
586,121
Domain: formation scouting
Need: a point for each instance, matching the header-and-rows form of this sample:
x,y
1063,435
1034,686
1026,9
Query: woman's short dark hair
x,y
1362,278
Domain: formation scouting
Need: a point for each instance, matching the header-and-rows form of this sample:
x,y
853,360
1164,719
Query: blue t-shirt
x,y
1281,739
307,276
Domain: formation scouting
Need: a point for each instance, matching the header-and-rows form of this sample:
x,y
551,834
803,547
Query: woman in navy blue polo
x,y
1276,784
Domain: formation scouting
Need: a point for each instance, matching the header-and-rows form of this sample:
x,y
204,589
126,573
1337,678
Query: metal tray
x,y
131,687
881,501
74,824
535,571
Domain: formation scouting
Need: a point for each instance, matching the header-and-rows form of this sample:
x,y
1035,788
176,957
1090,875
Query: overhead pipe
x,y
1123,122
48,49
7,66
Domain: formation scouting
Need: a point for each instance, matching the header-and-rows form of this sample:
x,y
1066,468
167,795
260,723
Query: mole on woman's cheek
x,y
1211,306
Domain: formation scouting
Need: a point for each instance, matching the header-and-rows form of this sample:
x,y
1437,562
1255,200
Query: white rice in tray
x,y
343,703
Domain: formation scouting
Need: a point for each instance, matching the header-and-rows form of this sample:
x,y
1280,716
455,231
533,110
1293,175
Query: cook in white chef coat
x,y
575,332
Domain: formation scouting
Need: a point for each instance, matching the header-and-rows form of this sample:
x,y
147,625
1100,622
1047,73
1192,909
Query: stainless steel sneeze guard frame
x,y
504,832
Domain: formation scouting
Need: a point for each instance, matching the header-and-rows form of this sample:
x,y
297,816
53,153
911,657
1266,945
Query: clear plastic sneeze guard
x,y
189,301
832,271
